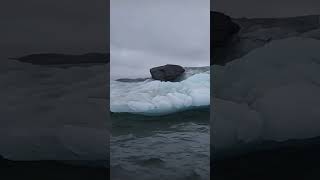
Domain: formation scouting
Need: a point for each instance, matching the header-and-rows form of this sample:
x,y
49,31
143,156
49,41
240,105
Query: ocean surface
x,y
161,130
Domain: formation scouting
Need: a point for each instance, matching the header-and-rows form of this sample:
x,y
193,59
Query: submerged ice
x,y
158,98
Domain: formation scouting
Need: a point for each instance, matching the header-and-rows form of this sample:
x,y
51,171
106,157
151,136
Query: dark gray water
x,y
175,146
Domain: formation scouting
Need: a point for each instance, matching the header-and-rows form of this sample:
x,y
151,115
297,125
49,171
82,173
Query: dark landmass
x,y
49,170
295,159
169,72
65,59
228,43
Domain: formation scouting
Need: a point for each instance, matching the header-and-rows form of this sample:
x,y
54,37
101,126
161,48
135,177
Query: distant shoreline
x,y
52,59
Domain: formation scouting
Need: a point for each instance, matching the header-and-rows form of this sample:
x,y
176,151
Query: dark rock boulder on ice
x,y
65,59
167,72
223,31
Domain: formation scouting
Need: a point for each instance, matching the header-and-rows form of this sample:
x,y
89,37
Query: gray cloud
x,y
147,33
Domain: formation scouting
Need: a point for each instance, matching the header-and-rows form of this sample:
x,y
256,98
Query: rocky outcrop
x,y
222,29
167,72
65,59
257,32
222,35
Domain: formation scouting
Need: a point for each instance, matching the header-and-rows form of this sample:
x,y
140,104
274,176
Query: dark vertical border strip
x,y
108,86
211,93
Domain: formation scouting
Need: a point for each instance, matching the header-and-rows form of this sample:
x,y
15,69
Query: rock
x,y
255,33
65,59
222,31
167,72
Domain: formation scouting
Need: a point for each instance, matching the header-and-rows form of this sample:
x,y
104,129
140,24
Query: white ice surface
x,y
153,97
273,93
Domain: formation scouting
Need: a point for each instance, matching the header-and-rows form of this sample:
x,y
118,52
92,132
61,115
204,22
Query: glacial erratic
x,y
167,72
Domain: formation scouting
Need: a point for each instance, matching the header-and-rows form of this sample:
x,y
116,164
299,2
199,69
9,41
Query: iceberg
x,y
152,97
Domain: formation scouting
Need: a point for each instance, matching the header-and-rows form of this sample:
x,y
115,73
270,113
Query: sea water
x,y
160,130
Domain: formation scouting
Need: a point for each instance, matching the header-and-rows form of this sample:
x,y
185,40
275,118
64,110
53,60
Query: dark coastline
x,y
49,59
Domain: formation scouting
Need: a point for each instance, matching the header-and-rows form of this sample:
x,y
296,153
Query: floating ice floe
x,y
158,98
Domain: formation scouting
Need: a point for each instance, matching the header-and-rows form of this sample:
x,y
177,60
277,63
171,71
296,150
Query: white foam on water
x,y
153,97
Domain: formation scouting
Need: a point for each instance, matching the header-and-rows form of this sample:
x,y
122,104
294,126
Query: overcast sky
x,y
159,29
67,26
148,33
266,8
